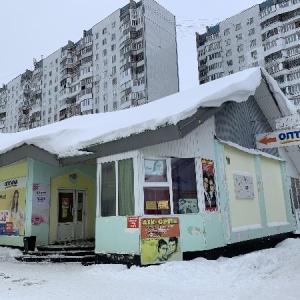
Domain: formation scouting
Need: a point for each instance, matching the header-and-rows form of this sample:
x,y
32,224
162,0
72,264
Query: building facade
x,y
266,35
127,59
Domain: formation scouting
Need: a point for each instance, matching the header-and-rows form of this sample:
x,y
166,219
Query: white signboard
x,y
278,139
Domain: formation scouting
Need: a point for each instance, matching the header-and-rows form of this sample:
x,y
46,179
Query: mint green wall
x,y
39,172
114,237
203,231
197,232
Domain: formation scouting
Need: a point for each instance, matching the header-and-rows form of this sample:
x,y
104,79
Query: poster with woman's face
x,y
12,206
155,170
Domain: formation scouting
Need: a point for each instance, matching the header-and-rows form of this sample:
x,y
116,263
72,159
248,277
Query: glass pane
x,y
126,188
108,189
79,206
157,201
184,186
65,210
155,170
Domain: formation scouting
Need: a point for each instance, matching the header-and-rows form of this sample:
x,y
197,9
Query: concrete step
x,y
57,258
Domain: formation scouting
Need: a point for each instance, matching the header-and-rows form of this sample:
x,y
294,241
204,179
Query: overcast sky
x,y
32,28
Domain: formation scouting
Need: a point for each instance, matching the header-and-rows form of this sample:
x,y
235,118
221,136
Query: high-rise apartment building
x,y
266,35
127,59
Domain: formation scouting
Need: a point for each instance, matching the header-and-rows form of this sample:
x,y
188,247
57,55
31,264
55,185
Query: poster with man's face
x,y
209,185
160,240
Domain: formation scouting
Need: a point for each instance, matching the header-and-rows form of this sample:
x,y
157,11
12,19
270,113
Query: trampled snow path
x,y
268,274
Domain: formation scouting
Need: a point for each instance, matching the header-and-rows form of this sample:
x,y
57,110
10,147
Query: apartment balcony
x,y
2,125
285,7
2,109
35,108
138,88
34,124
87,74
280,45
86,94
125,78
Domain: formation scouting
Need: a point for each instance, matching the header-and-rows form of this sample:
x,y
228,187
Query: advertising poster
x,y
12,206
40,204
160,240
209,185
243,185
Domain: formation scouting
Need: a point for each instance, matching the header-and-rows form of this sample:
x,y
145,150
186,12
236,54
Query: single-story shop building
x,y
179,175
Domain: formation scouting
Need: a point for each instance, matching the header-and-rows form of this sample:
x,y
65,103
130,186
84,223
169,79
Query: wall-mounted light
x,y
73,177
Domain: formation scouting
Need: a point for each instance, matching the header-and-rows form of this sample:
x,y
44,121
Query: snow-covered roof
x,y
68,137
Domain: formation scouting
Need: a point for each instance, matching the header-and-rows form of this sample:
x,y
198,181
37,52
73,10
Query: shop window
x,y
184,186
125,187
155,170
108,189
117,186
156,188
157,200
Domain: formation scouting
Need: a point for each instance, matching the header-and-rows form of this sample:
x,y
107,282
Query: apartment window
x,y
250,21
50,73
113,47
56,89
226,31
97,56
227,42
238,26
56,61
228,52
97,46
251,31
104,30
104,41
115,105
105,63
240,48
105,73
254,54
114,70
253,43
229,63
239,36
104,52
114,81
105,108
104,97
113,58
241,58
97,35
113,36
105,85
113,24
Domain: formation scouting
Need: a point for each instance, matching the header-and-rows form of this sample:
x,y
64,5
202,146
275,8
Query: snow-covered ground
x,y
268,274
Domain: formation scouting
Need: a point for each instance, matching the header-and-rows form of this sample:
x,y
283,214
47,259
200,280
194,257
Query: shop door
x,y
71,215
